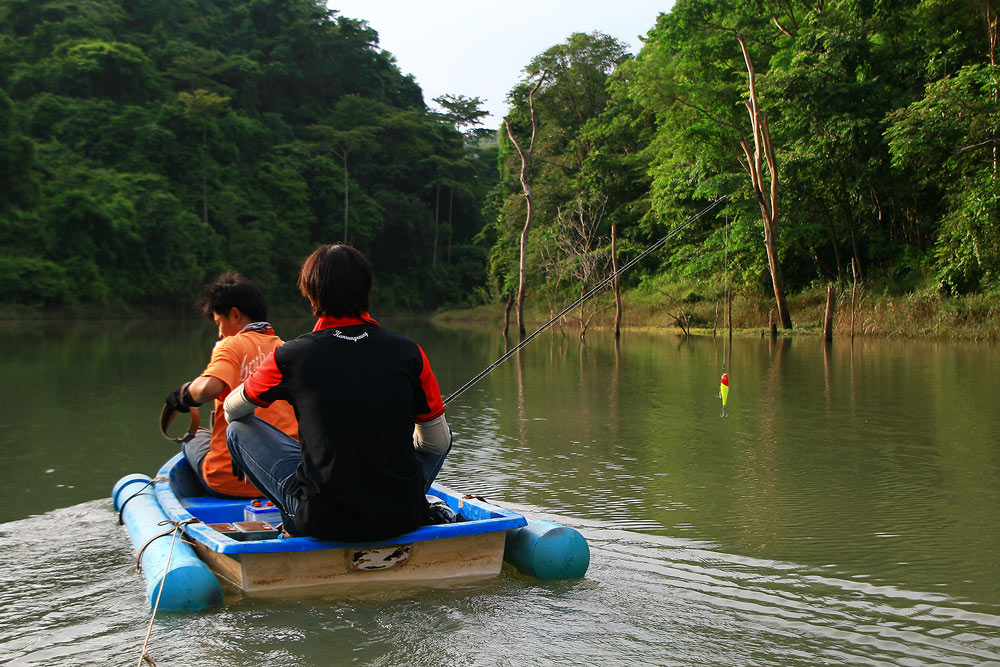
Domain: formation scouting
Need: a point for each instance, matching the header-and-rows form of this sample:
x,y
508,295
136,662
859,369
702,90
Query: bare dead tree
x,y
617,286
554,270
583,251
765,185
526,157
831,309
681,318
506,314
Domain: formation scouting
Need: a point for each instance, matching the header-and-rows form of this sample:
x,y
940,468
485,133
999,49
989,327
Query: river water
x,y
846,511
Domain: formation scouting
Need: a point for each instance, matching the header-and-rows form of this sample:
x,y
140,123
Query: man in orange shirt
x,y
237,307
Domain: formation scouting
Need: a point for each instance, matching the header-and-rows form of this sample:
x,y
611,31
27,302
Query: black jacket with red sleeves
x,y
357,390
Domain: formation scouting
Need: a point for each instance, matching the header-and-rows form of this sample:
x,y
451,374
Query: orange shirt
x,y
233,360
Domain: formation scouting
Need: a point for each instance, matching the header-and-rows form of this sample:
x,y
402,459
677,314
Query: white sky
x,y
478,49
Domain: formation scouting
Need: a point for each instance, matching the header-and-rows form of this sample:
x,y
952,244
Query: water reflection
x,y
827,450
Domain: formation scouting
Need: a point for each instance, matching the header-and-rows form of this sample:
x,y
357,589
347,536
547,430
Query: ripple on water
x,y
822,619
62,598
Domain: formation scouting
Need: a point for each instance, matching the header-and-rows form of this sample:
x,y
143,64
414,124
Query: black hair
x,y
231,290
337,280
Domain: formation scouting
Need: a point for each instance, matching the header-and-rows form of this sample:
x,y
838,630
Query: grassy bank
x,y
700,309
665,305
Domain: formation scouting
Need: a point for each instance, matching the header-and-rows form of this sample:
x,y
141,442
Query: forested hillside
x,y
145,145
841,132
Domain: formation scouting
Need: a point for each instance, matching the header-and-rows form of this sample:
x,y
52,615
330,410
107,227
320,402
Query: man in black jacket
x,y
372,433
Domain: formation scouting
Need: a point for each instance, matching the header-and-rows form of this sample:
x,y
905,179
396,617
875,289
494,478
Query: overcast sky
x,y
478,49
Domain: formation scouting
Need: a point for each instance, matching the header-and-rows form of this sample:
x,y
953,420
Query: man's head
x,y
337,280
232,302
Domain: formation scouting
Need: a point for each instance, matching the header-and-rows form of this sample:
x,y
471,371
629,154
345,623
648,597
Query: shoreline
x,y
973,317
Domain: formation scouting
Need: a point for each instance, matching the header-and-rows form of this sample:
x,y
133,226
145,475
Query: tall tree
x,y
466,114
345,135
765,184
203,107
526,154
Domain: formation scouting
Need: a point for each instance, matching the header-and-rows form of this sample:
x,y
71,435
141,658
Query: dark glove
x,y
180,399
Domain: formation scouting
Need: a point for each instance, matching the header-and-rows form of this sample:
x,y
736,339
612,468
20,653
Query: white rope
x,y
163,582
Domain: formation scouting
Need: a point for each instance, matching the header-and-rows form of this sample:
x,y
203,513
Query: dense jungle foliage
x,y
145,145
883,122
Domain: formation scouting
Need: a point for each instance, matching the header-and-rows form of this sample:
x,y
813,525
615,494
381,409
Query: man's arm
x,y
205,388
432,436
238,405
192,394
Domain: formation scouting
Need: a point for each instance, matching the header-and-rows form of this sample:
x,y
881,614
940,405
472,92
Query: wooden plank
x,y
465,557
224,566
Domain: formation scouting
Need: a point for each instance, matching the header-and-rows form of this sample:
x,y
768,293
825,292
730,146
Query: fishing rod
x,y
486,371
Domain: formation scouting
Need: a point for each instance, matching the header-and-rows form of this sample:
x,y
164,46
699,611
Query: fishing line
x,y
486,371
728,343
726,286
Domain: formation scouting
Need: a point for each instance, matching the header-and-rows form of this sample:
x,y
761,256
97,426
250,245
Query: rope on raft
x,y
175,528
174,525
121,510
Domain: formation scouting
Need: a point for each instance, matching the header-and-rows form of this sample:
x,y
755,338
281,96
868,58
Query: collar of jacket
x,y
327,322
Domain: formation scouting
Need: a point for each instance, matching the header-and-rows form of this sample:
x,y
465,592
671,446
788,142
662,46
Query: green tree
x,y
345,136
203,107
465,114
950,139
18,181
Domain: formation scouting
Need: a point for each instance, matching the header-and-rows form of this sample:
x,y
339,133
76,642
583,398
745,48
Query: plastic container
x,y
262,510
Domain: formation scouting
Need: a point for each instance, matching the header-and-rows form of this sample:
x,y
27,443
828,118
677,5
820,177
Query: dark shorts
x,y
195,451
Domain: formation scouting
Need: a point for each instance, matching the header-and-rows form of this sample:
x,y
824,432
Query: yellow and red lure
x,y
724,391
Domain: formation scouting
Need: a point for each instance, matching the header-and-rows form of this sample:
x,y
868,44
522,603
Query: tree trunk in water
x,y
777,281
831,305
618,292
506,314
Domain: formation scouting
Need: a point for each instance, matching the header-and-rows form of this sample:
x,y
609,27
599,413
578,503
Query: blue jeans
x,y
269,458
